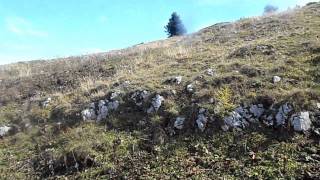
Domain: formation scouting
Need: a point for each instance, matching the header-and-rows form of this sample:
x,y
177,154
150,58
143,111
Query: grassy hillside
x,y
229,65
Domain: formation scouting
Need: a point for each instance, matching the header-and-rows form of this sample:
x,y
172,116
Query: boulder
x,y
301,122
179,123
113,105
103,110
257,110
4,130
276,79
318,105
282,114
155,104
234,121
190,88
202,119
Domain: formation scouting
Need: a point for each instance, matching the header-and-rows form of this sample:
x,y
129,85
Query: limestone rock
x,y
269,120
190,88
88,114
276,79
139,97
235,120
4,130
257,110
46,103
179,123
176,80
301,122
283,113
210,72
155,104
202,119
103,110
113,105
114,95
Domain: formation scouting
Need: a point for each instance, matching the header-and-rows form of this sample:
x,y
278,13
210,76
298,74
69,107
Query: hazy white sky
x,y
41,29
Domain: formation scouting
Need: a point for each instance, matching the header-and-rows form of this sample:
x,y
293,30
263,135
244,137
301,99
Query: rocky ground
x,y
233,101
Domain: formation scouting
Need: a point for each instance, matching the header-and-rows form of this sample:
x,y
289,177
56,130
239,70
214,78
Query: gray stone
x,y
257,110
179,122
301,122
4,130
178,79
268,120
113,105
318,105
202,122
210,72
139,97
88,114
114,95
103,110
283,113
155,104
190,88
46,103
276,79
234,120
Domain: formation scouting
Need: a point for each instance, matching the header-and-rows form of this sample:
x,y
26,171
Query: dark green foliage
x,y
175,26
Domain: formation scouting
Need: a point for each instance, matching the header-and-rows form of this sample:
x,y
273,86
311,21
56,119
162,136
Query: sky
x,y
46,29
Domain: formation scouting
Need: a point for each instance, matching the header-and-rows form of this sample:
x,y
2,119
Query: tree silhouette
x,y
175,26
269,9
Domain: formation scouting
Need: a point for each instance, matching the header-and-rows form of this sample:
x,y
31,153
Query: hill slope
x,y
235,100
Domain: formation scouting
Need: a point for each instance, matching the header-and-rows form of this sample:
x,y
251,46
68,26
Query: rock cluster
x,y
94,113
140,97
241,117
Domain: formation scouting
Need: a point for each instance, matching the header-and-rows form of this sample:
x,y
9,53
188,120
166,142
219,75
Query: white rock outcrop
x,y
4,130
301,122
179,123
155,104
101,112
